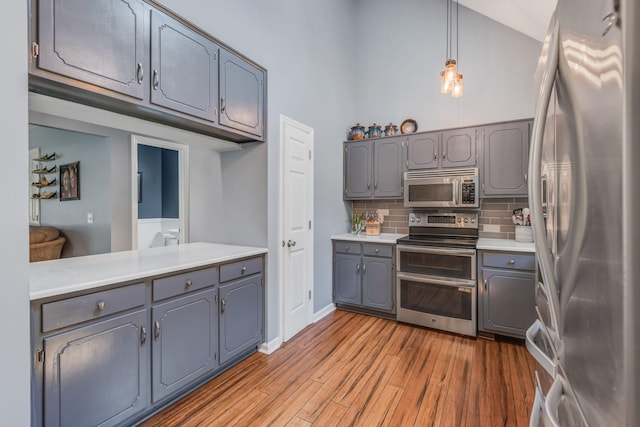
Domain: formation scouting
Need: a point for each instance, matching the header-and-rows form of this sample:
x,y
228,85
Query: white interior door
x,y
297,208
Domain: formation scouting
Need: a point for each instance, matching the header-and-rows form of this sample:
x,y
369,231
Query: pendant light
x,y
450,80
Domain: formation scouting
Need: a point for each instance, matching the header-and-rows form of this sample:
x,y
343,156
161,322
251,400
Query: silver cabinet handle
x,y
346,248
512,261
101,305
243,270
368,185
526,177
223,305
188,283
223,106
485,284
444,154
358,268
156,79
139,73
143,334
156,329
377,250
364,268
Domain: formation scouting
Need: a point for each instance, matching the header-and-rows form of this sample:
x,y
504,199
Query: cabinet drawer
x,y
348,247
378,250
516,261
70,311
242,268
179,284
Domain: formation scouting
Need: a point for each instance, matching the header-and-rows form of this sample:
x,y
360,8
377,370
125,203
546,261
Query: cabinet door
x,y
506,159
240,316
346,280
459,148
508,301
241,94
377,283
387,168
96,42
423,150
185,341
184,64
357,170
97,374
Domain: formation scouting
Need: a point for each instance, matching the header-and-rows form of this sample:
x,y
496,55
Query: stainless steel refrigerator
x,y
584,209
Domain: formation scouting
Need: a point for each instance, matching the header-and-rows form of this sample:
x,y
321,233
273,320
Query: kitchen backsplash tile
x,y
495,215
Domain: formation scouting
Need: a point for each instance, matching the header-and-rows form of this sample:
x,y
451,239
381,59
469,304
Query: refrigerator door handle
x,y
535,183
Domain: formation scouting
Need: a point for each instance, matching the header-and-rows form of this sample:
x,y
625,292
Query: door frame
x,y
183,184
281,226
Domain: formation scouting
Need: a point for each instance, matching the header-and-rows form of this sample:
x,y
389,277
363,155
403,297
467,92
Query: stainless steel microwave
x,y
452,188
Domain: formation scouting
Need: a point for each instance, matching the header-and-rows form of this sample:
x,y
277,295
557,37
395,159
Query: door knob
x,y
291,243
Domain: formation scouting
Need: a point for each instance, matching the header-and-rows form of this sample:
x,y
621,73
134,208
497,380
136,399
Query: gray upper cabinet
x,y
387,168
189,322
506,159
459,148
423,150
373,169
184,68
241,94
101,43
357,169
97,374
241,316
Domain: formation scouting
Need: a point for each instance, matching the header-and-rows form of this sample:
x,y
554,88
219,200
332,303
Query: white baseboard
x,y
324,312
271,346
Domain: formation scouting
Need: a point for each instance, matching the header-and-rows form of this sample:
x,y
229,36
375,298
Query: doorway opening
x,y
159,192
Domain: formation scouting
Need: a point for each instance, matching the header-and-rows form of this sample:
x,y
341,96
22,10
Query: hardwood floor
x,y
354,370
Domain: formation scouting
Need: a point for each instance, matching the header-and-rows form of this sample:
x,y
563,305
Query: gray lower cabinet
x,y
100,43
184,68
185,341
506,159
97,374
241,316
506,298
373,169
241,94
111,357
363,275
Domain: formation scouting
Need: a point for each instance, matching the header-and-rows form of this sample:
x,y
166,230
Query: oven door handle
x,y
437,281
442,251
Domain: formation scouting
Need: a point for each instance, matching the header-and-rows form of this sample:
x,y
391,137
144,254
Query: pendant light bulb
x,y
450,71
458,87
445,86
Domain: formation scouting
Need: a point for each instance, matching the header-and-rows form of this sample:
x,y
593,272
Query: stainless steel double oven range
x,y
436,277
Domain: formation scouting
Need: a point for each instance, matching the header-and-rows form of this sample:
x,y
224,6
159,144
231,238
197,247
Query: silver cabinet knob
x,y
243,270
346,248
512,261
188,283
377,250
101,305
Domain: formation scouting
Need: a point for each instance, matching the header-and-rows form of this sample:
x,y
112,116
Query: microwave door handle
x,y
456,186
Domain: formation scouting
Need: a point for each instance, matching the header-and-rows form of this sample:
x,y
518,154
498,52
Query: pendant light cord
x,y
447,44
457,35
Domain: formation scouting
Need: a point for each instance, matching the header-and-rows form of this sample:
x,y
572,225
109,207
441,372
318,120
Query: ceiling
x,y
526,16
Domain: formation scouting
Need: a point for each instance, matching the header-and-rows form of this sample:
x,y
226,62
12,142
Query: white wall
x,y
400,57
14,253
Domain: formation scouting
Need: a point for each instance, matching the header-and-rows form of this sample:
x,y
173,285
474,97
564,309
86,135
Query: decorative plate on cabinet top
x,y
409,126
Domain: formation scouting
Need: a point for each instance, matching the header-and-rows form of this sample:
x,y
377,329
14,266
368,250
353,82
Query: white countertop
x,y
61,276
504,245
362,237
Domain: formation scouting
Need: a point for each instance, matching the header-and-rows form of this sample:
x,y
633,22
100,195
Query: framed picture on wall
x,y
70,181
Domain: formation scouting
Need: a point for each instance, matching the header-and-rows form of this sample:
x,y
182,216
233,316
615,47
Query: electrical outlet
x,y
90,218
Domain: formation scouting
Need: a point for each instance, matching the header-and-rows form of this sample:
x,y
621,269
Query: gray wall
x,y
398,66
70,216
14,253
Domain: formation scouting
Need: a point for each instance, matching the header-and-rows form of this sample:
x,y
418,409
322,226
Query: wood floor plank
x,y
350,369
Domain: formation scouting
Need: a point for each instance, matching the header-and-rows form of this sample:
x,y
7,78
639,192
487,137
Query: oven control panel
x,y
446,219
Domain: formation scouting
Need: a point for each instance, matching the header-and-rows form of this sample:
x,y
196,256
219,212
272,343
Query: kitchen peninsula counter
x,y
67,275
